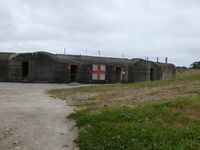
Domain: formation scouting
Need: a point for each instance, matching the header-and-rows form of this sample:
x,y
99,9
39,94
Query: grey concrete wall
x,y
4,62
45,67
167,71
41,68
141,71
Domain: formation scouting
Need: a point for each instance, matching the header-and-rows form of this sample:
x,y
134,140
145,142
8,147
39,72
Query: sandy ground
x,y
31,120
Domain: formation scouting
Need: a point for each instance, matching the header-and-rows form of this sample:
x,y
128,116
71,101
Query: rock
x,y
66,145
62,133
16,142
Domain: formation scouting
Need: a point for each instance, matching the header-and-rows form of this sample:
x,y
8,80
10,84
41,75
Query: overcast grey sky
x,y
129,28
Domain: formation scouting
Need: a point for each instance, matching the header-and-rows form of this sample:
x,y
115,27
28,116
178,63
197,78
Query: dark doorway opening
x,y
25,69
73,73
152,74
118,74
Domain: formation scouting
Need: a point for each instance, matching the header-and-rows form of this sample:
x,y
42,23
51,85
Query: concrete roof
x,y
80,59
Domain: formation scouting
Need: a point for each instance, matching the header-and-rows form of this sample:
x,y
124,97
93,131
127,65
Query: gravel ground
x,y
31,120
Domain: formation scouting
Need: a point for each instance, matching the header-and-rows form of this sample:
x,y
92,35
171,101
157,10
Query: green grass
x,y
170,121
172,125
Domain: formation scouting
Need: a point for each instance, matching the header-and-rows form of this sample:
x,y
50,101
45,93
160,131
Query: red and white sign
x,y
99,72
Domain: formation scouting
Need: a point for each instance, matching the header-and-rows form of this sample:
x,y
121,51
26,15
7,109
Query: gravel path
x,y
31,120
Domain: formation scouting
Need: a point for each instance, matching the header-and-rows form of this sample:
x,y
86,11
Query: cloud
x,y
133,28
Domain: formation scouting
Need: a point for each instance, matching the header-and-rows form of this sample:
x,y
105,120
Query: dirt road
x,y
31,120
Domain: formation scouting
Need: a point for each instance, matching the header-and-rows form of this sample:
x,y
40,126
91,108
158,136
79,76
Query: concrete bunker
x,y
35,67
167,70
46,67
141,70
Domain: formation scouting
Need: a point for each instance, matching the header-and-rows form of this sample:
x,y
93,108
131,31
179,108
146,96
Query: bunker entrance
x,y
152,74
73,73
118,74
25,69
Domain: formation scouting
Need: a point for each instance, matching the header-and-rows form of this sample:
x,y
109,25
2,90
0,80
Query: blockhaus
x,y
50,68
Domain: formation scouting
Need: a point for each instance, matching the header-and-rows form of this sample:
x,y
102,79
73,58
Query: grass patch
x,y
162,125
99,96
155,115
